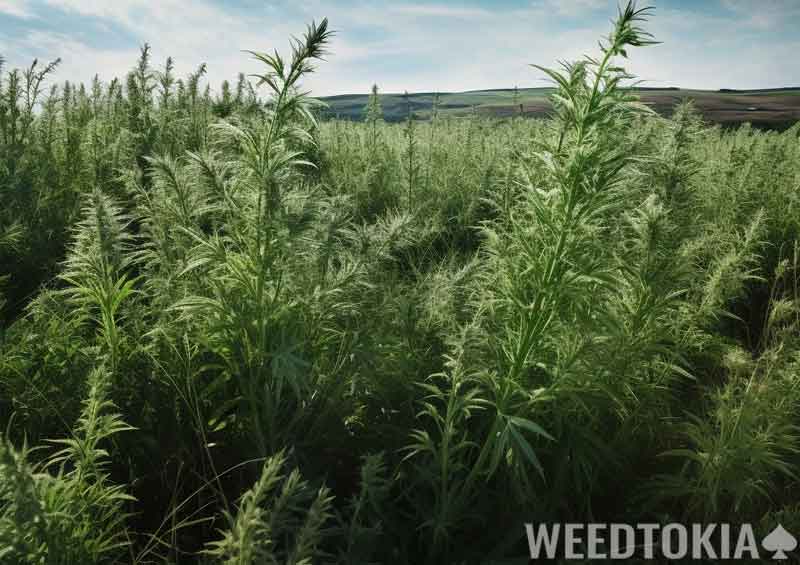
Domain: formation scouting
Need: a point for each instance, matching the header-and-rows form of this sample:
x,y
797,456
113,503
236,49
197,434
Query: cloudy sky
x,y
410,45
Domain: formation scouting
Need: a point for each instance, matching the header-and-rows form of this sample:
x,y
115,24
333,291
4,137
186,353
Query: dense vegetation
x,y
231,334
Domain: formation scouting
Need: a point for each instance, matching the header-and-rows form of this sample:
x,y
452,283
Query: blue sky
x,y
410,45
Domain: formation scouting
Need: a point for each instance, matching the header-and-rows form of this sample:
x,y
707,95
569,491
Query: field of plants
x,y
232,334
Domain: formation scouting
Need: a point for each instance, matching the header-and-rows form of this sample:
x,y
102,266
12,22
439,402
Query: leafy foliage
x,y
388,343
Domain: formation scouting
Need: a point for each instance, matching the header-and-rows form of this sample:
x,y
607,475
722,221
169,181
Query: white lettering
x,y
649,538
668,548
746,543
595,541
702,542
622,549
542,536
572,539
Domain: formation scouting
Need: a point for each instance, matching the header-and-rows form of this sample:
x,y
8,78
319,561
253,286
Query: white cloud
x,y
439,11
763,14
79,62
191,32
17,8
412,46
574,8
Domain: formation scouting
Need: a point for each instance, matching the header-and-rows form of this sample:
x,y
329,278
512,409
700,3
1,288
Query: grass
x,y
232,333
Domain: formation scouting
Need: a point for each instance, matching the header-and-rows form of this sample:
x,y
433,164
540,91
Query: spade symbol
x,y
779,541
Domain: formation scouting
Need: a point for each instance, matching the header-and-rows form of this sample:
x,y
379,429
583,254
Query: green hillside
x,y
775,108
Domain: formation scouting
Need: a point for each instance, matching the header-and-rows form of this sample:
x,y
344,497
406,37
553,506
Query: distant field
x,y
778,108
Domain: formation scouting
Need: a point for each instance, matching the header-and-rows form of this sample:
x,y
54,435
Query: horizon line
x,y
528,88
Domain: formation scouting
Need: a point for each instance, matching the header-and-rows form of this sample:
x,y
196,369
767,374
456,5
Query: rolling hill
x,y
768,108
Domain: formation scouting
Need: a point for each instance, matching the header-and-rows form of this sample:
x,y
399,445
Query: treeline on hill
x,y
233,335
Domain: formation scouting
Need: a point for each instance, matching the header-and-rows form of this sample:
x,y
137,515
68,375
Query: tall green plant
x,y
271,524
254,323
96,270
75,515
